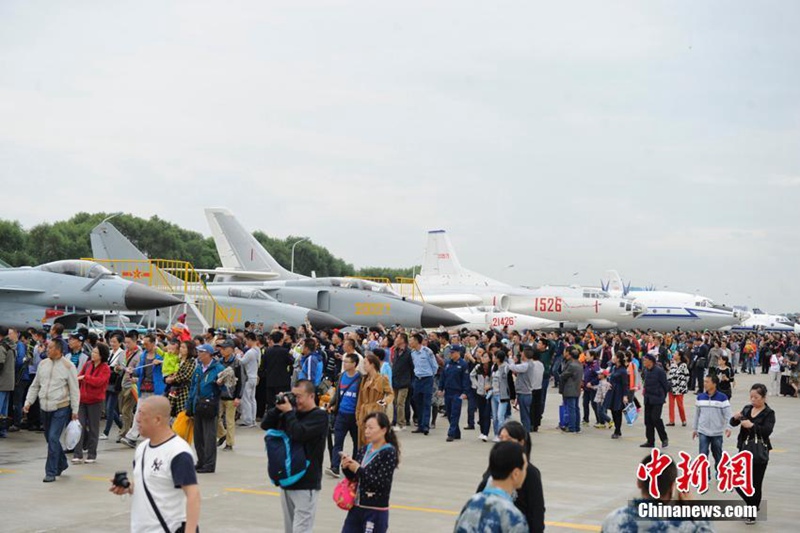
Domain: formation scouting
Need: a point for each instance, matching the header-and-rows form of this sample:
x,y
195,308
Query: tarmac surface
x,y
585,476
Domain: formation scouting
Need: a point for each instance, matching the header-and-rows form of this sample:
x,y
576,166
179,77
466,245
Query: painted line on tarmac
x,y
6,471
568,525
96,478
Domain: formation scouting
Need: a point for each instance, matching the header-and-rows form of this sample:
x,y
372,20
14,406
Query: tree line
x,y
160,239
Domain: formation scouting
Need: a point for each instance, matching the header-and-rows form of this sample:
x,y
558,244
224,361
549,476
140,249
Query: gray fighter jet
x,y
66,291
241,303
356,301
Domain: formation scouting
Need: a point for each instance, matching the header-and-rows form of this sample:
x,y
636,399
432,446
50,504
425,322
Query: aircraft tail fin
x,y
614,285
440,256
111,245
237,247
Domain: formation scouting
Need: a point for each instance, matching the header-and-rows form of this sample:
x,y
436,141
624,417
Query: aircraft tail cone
x,y
141,298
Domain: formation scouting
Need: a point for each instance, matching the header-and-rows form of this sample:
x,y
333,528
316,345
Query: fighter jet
x,y
356,301
241,303
445,282
66,291
670,310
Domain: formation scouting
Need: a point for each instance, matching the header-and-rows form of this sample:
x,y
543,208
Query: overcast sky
x,y
658,138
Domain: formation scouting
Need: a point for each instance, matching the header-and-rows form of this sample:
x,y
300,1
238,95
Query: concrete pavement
x,y
585,476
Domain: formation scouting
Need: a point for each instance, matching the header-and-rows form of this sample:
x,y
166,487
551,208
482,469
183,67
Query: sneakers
x,y
665,444
103,436
496,439
333,473
127,442
77,460
609,425
449,439
220,441
90,461
49,479
600,426
615,435
399,428
228,447
483,437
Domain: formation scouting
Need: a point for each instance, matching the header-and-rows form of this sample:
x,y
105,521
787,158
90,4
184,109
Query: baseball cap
x,y
205,348
227,343
77,336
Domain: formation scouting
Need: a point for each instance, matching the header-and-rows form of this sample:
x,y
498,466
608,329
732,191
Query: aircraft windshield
x,y
76,267
252,294
347,283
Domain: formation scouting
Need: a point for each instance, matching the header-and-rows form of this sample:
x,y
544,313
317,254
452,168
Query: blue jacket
x,y
158,377
455,377
204,384
656,385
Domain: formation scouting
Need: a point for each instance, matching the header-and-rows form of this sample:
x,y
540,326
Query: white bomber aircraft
x,y
485,317
670,310
444,282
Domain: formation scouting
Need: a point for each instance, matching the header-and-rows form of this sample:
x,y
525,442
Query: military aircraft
x,y
67,291
485,317
356,301
670,310
758,320
241,303
443,281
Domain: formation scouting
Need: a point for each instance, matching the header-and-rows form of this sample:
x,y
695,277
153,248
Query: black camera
x,y
121,480
286,397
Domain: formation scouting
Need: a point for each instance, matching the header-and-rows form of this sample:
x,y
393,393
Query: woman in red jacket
x,y
93,381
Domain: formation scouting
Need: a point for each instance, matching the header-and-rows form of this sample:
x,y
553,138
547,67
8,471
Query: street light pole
x,y
293,245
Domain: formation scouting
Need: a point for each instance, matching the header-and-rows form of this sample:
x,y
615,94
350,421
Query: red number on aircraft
x,y
548,305
500,321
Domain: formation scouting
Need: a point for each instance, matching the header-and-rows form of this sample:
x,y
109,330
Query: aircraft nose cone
x,y
433,317
141,298
320,320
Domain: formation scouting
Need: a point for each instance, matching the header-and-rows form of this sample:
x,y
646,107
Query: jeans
x,y
112,412
54,424
525,401
423,392
5,398
472,407
345,423
499,409
716,447
452,409
588,402
484,414
573,416
602,411
89,417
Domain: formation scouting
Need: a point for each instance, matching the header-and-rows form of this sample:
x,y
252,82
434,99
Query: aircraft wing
x,y
256,275
453,300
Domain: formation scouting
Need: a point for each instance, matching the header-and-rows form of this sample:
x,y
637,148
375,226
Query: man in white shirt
x,y
165,494
249,362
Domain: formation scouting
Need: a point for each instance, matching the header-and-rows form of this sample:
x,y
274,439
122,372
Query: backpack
x,y
286,460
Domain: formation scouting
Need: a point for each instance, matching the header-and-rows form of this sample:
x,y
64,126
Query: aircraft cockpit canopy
x,y
76,267
345,283
251,294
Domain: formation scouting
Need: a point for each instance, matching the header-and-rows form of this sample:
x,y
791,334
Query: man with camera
x,y
203,405
297,414
165,494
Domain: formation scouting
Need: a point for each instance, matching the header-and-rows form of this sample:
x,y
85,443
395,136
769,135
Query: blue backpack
x,y
286,460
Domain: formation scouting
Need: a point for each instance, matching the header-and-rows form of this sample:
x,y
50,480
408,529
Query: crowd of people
x,y
319,387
